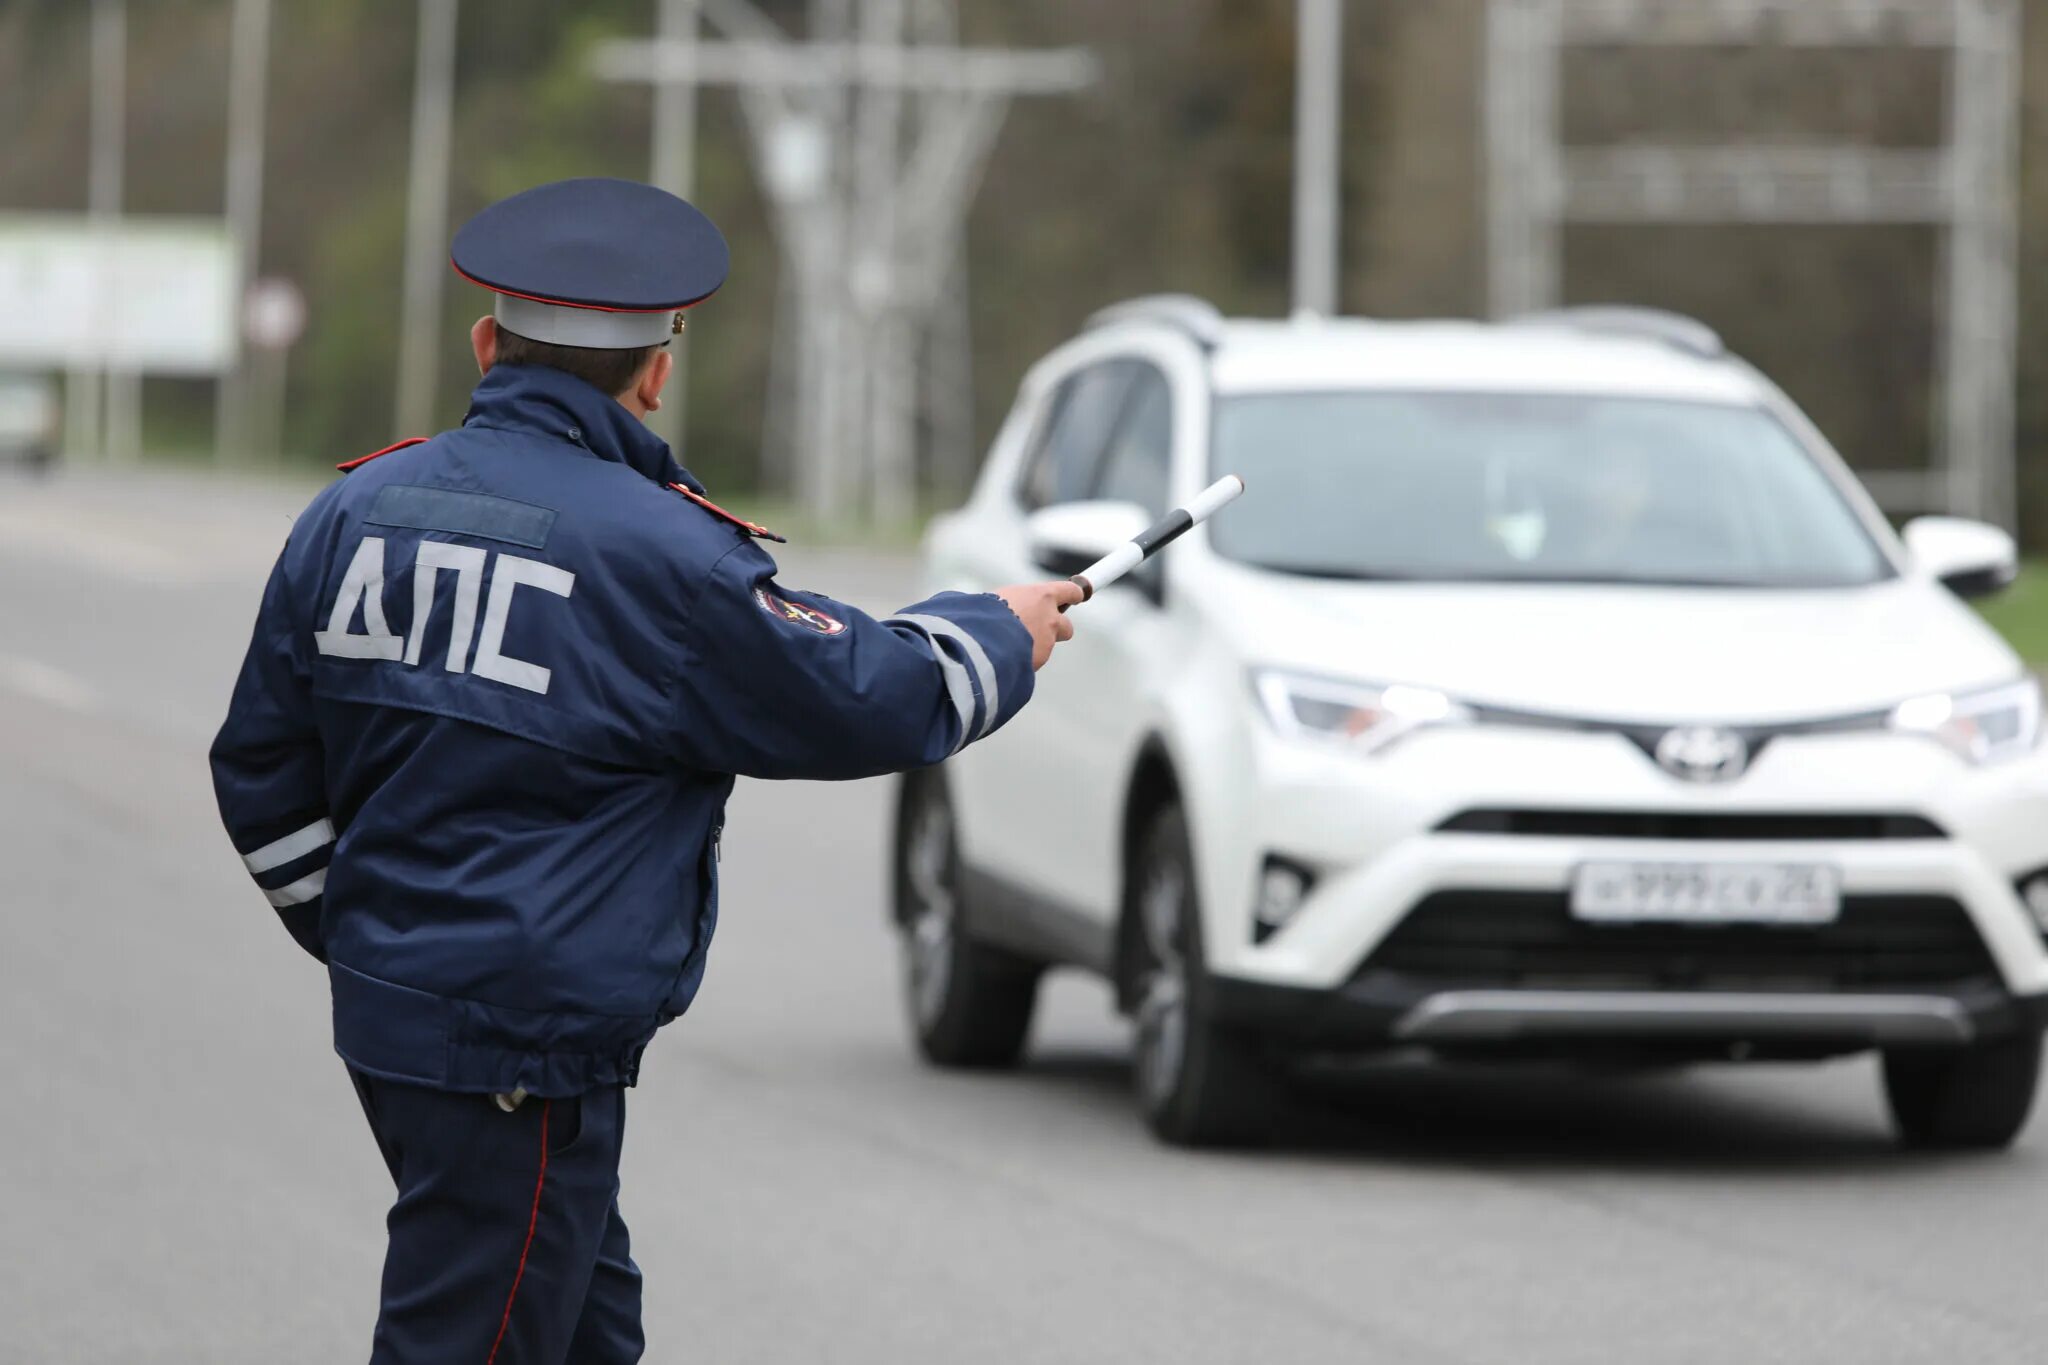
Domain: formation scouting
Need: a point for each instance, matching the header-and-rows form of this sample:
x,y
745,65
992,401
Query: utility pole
x,y
673,167
863,294
1318,102
109,169
887,400
89,388
248,78
1976,425
1519,91
426,218
949,334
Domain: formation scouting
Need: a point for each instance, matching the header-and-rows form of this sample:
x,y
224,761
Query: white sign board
x,y
149,294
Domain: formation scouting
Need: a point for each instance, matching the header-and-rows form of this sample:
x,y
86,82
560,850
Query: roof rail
x,y
1629,320
1196,317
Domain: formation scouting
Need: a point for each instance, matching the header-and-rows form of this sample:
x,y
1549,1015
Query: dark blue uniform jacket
x,y
500,683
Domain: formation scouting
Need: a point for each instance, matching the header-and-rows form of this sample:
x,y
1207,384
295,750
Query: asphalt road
x,y
184,1174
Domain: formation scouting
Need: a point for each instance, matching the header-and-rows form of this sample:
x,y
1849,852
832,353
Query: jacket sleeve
x,y
269,773
784,684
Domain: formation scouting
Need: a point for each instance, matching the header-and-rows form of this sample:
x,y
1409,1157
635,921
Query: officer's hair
x,y
609,372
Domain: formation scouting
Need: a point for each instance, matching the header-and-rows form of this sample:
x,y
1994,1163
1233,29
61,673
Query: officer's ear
x,y
653,378
483,339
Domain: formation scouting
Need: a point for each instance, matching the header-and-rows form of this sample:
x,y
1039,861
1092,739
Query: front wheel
x,y
1199,1082
1969,1097
969,1004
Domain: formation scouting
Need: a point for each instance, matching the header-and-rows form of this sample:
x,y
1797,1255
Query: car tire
x,y
1199,1082
1971,1097
969,1004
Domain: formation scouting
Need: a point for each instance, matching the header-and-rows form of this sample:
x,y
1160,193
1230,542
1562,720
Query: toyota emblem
x,y
1702,753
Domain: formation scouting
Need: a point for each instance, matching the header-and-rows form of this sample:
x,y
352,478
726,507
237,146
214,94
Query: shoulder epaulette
x,y
347,465
757,531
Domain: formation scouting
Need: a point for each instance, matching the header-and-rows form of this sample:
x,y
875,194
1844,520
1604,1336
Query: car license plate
x,y
1707,893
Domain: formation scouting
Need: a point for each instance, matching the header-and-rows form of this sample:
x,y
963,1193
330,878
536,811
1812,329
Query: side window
x,y
1140,454
1068,448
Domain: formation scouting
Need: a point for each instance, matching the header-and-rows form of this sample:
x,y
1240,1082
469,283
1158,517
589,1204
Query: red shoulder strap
x,y
347,465
758,532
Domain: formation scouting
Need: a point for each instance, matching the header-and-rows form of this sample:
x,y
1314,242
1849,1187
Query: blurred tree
x,y
1173,174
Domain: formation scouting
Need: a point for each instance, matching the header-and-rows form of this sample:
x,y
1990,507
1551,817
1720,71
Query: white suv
x,y
1554,691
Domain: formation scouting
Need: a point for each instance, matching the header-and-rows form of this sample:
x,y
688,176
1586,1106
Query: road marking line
x,y
47,683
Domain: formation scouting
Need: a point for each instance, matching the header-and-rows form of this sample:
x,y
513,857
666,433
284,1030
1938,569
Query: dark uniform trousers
x,y
506,1243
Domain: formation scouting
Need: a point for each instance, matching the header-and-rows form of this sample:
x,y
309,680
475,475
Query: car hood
x,y
1646,653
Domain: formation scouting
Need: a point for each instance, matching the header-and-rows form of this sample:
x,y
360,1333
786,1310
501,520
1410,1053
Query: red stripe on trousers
x,y
532,1222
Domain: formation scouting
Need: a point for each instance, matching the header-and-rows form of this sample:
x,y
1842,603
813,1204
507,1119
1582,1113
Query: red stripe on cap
x,y
565,303
347,465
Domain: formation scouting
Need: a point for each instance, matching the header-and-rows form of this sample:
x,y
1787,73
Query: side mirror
x,y
1970,558
1069,536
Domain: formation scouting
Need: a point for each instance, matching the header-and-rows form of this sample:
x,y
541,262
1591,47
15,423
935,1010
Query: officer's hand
x,y
1038,606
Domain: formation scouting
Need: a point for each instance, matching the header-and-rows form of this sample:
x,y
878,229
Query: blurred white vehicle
x,y
28,420
1554,691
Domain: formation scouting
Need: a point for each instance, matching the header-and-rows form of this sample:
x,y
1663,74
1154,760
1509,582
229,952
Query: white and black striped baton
x,y
1157,536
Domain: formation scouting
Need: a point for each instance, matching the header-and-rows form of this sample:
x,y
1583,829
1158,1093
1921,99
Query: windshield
x,y
1531,488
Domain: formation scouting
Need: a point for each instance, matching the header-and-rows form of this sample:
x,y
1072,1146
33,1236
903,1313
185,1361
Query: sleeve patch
x,y
797,614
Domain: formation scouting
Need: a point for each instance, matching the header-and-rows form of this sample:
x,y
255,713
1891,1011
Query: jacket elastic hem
x,y
413,1037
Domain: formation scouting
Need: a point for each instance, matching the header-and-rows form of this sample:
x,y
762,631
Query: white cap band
x,y
599,330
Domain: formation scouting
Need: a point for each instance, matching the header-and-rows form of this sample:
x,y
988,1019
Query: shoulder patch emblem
x,y
797,614
753,529
346,465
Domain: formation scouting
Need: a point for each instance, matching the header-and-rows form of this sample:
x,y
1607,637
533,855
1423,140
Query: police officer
x,y
479,752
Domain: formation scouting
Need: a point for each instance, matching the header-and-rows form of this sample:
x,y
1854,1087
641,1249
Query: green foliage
x,y
343,387
1173,173
2020,613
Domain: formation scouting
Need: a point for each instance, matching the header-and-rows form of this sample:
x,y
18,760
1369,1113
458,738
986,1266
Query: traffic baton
x,y
1157,536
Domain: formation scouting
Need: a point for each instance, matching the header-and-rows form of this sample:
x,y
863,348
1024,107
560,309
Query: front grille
x,y
1600,824
1529,939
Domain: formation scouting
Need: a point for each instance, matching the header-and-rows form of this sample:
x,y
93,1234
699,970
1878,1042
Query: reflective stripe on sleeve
x,y
976,655
297,844
299,892
958,688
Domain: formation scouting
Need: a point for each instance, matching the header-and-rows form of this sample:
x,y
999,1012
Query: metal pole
x,y
1318,99
124,385
267,373
945,348
2000,323
882,365
86,387
673,168
1980,264
949,367
1524,164
426,217
248,76
1504,112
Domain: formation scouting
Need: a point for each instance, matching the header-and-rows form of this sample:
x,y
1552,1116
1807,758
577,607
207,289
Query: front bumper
x,y
1373,831
1934,946
1380,1012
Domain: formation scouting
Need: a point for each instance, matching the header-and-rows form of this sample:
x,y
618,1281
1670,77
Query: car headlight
x,y
1355,716
1983,727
